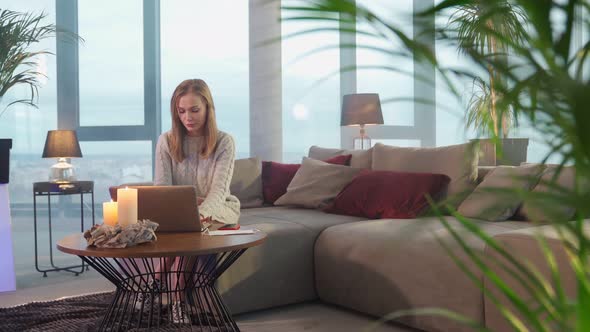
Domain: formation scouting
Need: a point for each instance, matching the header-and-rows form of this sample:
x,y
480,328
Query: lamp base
x,y
362,143
62,172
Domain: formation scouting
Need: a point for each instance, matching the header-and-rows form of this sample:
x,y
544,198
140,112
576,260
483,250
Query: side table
x,y
50,189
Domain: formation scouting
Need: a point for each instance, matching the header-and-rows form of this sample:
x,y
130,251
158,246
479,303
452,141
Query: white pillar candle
x,y
127,206
109,211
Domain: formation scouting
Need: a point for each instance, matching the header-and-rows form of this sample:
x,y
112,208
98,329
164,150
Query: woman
x,y
194,152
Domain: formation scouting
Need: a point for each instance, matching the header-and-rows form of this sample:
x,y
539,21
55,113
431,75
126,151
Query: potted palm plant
x,y
480,27
548,85
18,32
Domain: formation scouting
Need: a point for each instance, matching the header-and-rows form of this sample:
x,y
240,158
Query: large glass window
x,y
113,163
111,63
539,146
311,89
451,108
28,126
394,85
209,42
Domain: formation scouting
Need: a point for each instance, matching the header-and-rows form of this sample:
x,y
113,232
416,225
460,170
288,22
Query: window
x,y
395,87
311,89
28,126
451,111
111,63
109,163
211,43
450,108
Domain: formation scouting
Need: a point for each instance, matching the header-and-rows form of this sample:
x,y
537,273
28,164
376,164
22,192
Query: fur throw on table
x,y
106,236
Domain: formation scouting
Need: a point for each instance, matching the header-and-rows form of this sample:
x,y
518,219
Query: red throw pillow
x,y
385,194
276,176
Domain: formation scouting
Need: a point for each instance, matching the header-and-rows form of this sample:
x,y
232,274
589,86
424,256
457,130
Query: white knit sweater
x,y
211,176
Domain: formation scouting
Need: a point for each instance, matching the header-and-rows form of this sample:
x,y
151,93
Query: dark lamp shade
x,y
61,144
361,109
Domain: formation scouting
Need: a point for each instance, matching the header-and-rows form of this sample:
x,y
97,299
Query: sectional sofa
x,y
373,266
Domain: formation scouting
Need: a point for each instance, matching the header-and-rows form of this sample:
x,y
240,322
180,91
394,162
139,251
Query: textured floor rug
x,y
83,314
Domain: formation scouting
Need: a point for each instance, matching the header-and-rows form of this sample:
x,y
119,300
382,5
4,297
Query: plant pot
x,y
5,146
514,152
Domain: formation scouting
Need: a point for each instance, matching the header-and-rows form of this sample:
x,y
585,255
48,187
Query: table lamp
x,y
62,144
361,109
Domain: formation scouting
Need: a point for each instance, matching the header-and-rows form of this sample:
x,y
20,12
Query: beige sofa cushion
x,y
360,158
283,264
483,171
525,248
380,266
495,198
246,182
458,162
540,208
316,184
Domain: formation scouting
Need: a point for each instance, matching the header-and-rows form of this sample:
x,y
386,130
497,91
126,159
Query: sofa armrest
x,y
525,248
113,189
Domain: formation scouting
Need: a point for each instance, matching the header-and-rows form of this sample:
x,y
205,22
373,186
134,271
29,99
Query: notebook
x,y
173,207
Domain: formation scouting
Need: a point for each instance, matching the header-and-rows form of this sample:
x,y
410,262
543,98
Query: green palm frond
x,y
480,24
482,28
479,110
539,72
19,32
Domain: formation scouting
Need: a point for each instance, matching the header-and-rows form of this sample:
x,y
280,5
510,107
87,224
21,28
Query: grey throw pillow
x,y
316,184
359,159
496,197
246,182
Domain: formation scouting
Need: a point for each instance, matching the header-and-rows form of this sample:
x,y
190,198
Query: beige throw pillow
x,y
360,158
246,183
540,208
493,199
316,184
458,162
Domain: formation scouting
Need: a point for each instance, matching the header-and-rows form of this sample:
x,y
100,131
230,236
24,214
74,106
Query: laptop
x,y
173,207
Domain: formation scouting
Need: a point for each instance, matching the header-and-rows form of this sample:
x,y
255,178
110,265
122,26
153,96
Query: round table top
x,y
167,245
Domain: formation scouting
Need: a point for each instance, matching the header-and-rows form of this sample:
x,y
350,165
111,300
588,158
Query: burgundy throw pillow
x,y
386,194
276,176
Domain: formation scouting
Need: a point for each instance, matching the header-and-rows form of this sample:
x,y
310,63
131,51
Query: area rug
x,y
83,314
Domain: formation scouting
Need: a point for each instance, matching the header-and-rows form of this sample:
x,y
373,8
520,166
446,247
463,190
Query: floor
x,y
314,317
32,286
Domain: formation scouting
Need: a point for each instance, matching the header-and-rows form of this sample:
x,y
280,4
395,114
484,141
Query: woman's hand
x,y
211,223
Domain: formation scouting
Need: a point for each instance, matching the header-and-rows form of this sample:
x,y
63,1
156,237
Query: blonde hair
x,y
176,137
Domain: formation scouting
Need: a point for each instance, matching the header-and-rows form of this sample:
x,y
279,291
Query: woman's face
x,y
192,113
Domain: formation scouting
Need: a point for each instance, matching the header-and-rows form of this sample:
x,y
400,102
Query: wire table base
x,y
166,292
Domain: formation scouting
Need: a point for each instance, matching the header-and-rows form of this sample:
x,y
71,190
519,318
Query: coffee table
x,y
147,292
